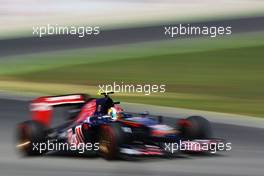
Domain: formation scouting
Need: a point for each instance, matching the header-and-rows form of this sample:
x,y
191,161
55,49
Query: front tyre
x,y
198,128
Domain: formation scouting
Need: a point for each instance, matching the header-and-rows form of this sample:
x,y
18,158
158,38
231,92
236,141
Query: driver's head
x,y
112,113
115,112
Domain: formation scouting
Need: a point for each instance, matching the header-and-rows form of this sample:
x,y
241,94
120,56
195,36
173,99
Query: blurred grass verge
x,y
224,75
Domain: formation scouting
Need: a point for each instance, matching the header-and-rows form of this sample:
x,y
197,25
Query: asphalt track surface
x,y
117,37
245,158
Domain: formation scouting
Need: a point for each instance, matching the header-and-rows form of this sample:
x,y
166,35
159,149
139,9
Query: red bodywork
x,y
87,111
42,107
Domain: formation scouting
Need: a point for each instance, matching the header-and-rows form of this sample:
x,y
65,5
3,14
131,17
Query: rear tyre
x,y
29,133
111,137
199,128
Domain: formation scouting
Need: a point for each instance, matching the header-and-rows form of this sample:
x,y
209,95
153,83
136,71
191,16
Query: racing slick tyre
x,y
29,133
111,137
198,128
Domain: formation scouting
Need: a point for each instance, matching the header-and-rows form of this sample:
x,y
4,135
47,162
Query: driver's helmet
x,y
112,113
115,112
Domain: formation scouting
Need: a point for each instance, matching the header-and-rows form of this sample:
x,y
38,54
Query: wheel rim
x,y
106,143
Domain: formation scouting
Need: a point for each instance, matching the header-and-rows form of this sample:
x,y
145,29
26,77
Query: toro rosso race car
x,y
108,131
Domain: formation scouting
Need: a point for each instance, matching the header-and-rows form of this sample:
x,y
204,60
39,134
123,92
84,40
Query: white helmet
x,y
112,112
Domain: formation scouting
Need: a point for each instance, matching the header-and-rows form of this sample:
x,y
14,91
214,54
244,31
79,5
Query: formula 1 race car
x,y
105,129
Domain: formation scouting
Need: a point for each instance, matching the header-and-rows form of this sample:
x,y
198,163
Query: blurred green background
x,y
217,74
223,75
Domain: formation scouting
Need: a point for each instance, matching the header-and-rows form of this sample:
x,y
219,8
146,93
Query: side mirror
x,y
160,119
145,113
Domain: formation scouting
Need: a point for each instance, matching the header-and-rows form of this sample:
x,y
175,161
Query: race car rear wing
x,y
42,107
